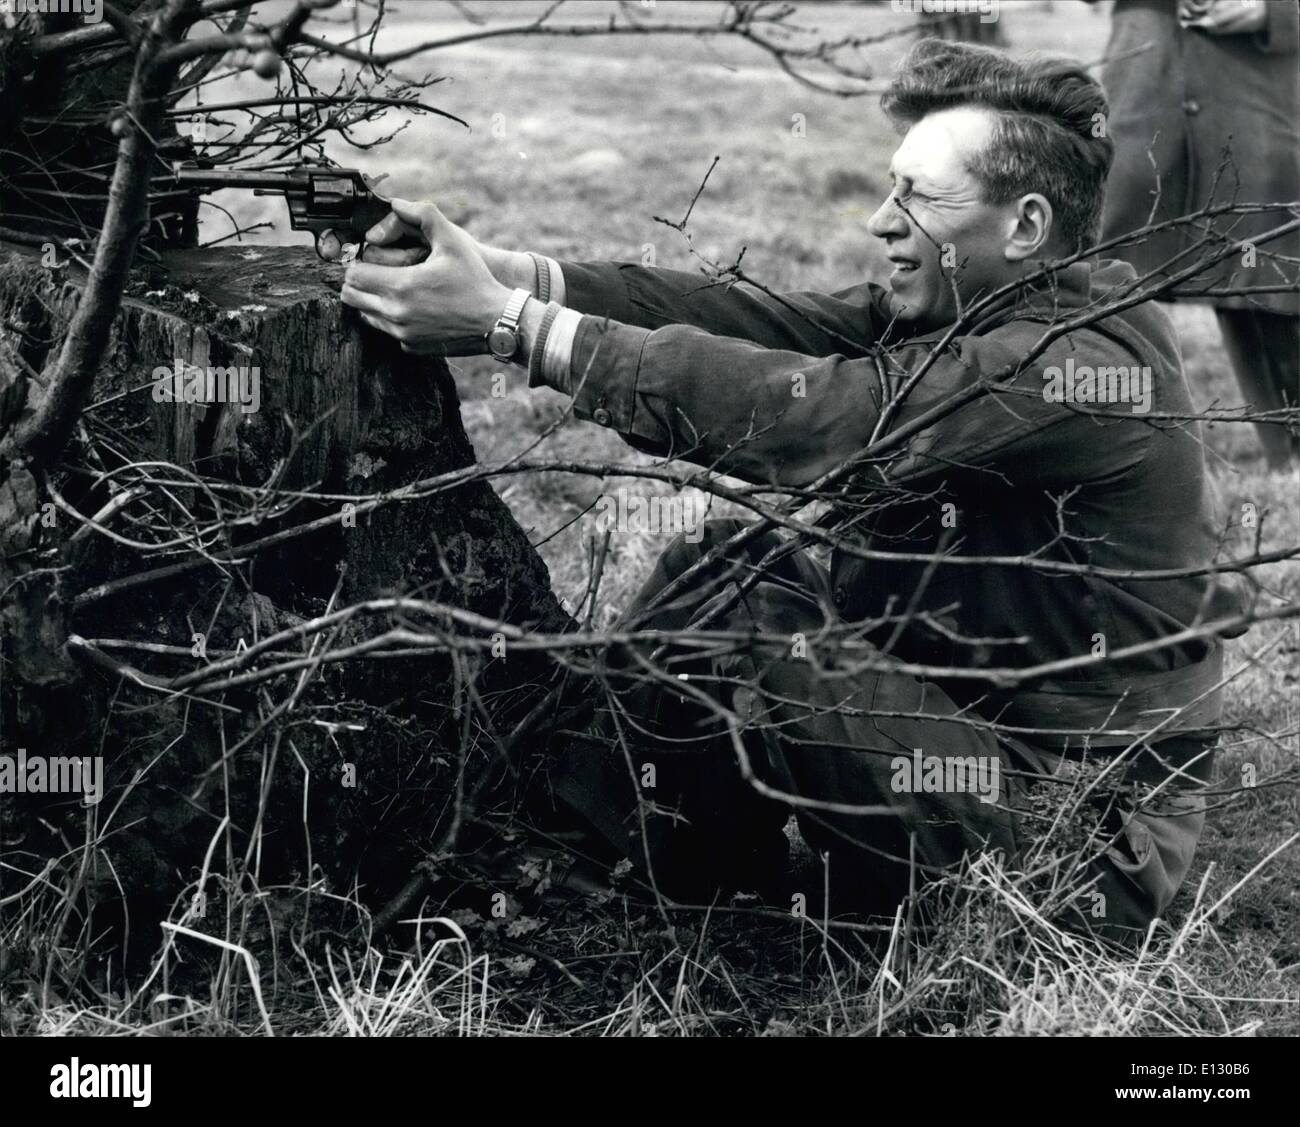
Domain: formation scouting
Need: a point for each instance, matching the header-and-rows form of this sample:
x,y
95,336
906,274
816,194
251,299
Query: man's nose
x,y
888,220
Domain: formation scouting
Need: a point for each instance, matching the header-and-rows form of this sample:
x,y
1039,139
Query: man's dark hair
x,y
1045,139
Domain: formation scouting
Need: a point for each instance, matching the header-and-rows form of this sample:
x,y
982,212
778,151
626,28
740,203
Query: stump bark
x,y
236,789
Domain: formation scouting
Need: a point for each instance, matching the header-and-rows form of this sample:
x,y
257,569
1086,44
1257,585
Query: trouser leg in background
x,y
1264,349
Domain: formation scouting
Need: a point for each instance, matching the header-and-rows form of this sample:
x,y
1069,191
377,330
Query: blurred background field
x,y
576,144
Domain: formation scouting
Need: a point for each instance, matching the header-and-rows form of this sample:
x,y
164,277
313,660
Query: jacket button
x,y
839,597
601,416
1192,106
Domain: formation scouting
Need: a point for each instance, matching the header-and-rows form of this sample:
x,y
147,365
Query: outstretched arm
x,y
781,417
650,297
752,408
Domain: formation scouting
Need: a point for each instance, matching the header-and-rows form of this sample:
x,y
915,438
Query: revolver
x,y
320,199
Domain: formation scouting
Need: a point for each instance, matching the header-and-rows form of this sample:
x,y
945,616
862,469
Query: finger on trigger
x,y
328,246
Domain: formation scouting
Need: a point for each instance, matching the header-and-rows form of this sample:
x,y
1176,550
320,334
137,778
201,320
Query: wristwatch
x,y
503,337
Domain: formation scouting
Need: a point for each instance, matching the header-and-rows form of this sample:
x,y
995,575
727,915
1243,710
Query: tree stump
x,y
235,789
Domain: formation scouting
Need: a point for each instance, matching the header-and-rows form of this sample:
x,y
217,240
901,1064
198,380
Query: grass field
x,y
593,139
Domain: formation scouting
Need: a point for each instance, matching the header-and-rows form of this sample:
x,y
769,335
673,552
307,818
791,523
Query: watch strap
x,y
508,323
513,311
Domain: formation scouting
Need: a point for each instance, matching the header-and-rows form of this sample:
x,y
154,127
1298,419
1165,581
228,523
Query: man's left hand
x,y
444,305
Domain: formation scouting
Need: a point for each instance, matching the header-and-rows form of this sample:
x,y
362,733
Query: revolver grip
x,y
362,217
367,213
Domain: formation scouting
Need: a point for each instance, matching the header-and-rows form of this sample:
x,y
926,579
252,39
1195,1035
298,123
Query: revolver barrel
x,y
320,199
260,181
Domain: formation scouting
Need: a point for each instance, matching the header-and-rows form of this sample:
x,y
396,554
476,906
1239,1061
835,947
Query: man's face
x,y
937,228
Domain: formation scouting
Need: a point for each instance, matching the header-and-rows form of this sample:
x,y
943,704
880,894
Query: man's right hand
x,y
511,268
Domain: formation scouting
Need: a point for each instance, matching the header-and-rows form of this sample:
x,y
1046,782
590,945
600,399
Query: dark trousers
x,y
699,801
1264,349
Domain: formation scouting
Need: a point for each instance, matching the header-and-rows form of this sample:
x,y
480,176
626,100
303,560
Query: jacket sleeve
x,y
1281,35
773,415
648,297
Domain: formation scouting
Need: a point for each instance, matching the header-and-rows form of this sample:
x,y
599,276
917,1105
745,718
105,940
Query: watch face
x,y
502,343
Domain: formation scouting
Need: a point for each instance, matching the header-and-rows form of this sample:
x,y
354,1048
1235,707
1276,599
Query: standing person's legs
x,y
1264,349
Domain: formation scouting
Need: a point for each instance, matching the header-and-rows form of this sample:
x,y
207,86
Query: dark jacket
x,y
708,374
1178,99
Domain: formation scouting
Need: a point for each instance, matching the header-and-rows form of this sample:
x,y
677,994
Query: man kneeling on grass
x,y
1077,456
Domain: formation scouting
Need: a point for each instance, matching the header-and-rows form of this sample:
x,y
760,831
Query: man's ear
x,y
1032,230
